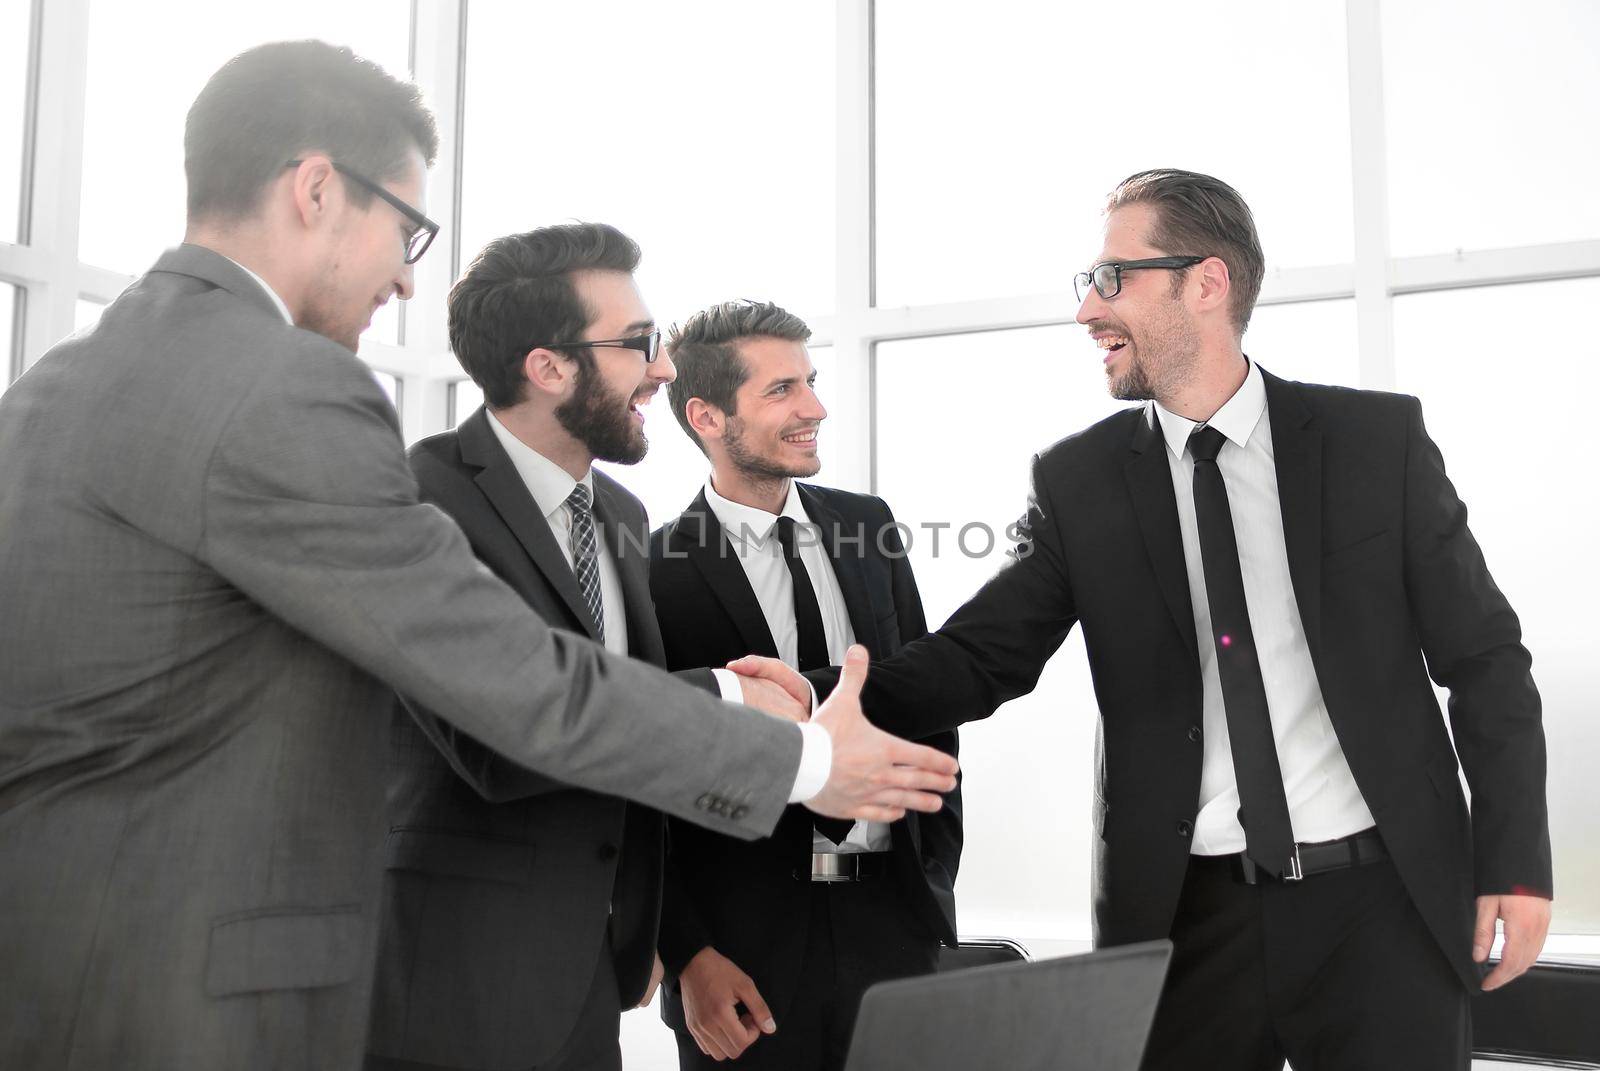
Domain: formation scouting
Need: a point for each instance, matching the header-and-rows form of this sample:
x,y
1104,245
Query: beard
x,y
1162,363
757,467
599,419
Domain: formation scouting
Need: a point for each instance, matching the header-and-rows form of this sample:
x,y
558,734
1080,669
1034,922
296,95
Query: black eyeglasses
x,y
1107,278
423,228
647,344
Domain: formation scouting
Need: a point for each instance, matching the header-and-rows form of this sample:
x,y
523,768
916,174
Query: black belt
x,y
844,866
1357,849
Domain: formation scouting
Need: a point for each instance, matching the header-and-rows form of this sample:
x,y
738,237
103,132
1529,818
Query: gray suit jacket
x,y
502,884
215,570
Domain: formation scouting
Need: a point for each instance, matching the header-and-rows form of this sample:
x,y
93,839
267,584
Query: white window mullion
x,y
851,422
1370,186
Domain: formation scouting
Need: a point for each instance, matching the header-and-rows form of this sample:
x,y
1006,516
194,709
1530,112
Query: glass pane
x,y
86,313
1045,383
998,137
1517,442
14,43
714,151
465,397
133,182
1310,341
390,384
674,470
1486,102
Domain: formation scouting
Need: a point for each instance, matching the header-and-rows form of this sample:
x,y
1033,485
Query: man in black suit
x,y
520,913
1267,573
796,927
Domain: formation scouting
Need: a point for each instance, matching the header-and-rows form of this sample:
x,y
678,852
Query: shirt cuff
x,y
816,762
728,685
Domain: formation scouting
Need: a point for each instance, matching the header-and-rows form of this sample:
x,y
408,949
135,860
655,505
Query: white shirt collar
x,y
549,483
747,524
271,293
1237,419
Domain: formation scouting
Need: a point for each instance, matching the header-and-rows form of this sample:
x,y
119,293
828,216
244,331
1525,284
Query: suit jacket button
x,y
1185,827
1194,733
606,853
705,801
739,812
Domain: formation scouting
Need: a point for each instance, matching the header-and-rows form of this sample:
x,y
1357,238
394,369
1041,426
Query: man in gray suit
x,y
215,569
520,914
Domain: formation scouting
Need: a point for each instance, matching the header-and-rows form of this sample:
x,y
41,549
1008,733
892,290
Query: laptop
x,y
1077,1012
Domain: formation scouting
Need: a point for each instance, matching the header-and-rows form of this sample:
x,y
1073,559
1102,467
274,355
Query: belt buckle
x,y
833,867
1295,871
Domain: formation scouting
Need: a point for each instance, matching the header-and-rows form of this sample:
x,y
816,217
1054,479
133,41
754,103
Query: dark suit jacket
x,y
499,880
743,899
214,574
1391,588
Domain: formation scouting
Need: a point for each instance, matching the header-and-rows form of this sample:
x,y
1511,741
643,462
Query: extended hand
x,y
657,972
712,984
778,672
874,776
766,696
1527,921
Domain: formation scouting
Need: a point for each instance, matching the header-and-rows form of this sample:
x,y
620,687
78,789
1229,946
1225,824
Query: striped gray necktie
x,y
584,550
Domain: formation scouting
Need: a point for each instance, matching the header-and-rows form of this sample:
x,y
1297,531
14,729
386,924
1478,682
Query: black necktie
x,y
812,646
1264,811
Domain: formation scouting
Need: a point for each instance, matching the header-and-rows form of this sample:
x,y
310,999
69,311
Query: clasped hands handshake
x,y
874,776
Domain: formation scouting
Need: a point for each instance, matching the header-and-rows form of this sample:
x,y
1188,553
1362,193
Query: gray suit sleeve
x,y
310,509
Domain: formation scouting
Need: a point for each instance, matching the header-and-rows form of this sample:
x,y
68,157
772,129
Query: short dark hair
x,y
519,293
1197,215
705,349
280,101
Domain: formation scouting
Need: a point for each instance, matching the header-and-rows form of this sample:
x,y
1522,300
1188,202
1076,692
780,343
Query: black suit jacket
x,y
500,882
742,898
1391,588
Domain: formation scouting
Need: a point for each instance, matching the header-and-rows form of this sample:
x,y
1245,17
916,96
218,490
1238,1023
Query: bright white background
x,y
919,179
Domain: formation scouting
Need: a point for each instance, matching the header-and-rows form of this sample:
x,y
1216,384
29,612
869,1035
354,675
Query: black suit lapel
x,y
699,535
1297,456
508,494
1150,483
848,568
630,551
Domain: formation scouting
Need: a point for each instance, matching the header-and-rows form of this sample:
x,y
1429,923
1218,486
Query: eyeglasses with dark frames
x,y
423,231
648,344
1106,278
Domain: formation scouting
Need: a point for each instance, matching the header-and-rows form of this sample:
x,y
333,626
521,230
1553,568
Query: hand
x,y
712,984
657,972
760,667
1527,921
874,776
769,698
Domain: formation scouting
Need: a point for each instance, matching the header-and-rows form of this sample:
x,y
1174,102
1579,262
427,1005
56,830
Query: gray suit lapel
x,y
503,487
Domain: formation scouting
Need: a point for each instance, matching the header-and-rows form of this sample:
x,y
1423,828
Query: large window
x,y
1492,109
1000,132
14,41
705,133
1514,428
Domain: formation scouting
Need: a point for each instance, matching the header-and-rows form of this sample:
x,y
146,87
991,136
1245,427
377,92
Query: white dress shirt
x,y
550,484
752,534
1324,802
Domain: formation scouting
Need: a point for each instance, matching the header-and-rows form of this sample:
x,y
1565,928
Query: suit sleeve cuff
x,y
816,762
728,685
